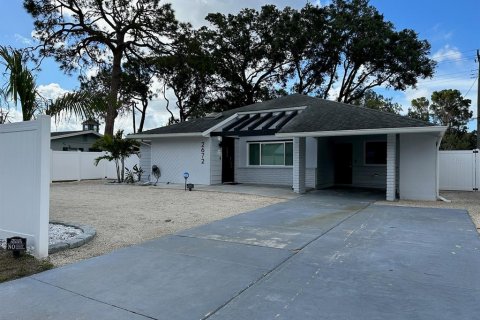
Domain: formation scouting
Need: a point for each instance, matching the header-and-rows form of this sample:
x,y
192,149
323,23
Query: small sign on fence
x,y
17,245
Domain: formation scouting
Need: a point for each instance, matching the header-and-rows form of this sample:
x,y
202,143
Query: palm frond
x,y
80,103
21,84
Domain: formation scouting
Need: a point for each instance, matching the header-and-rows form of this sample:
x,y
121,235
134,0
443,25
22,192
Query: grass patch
x,y
13,268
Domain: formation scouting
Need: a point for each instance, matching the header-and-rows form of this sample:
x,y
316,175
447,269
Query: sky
x,y
452,29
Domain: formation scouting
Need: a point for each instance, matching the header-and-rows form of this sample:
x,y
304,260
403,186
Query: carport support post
x,y
299,165
391,166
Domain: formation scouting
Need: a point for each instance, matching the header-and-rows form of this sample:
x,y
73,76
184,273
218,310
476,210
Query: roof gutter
x,y
164,135
361,132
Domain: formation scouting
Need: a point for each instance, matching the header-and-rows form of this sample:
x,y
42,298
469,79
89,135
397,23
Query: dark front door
x,y
343,163
228,159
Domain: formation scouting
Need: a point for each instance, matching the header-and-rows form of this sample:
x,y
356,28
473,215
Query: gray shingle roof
x,y
70,133
62,133
325,115
320,115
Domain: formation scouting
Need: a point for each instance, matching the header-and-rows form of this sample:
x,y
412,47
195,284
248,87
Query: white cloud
x,y
51,91
425,88
448,35
447,53
14,114
23,40
195,11
454,71
92,72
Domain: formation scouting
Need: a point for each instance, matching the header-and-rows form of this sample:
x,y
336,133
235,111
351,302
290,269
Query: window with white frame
x,y
376,153
270,153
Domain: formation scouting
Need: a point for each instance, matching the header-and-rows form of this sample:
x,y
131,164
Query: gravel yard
x,y
460,200
124,215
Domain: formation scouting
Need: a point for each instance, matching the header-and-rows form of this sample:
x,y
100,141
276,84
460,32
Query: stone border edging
x,y
78,241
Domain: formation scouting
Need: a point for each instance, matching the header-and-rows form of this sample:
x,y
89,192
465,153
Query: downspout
x,y
439,141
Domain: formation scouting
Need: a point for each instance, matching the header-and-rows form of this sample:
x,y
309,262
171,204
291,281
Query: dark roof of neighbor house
x,y
319,115
60,134
91,121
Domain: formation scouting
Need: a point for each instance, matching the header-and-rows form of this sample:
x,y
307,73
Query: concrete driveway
x,y
325,255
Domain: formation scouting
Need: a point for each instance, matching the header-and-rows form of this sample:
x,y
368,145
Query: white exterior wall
x,y
25,182
174,156
391,166
215,161
145,161
275,175
299,165
418,169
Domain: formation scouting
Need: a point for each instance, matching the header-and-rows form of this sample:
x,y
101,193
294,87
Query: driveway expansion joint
x,y
294,253
92,299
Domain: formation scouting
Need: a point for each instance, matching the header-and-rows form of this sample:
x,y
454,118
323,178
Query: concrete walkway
x,y
325,255
281,192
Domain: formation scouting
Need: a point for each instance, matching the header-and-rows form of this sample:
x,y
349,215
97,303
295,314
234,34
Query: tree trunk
x,y
123,168
117,166
142,117
113,94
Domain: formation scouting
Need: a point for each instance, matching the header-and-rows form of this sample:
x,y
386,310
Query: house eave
x,y
360,132
206,133
164,135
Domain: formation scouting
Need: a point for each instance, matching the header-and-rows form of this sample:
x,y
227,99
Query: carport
x,y
403,161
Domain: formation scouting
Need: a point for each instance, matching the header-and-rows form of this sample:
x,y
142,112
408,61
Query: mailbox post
x,y
185,176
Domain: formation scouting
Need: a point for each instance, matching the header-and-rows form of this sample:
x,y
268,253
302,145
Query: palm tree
x,y
118,149
21,83
21,87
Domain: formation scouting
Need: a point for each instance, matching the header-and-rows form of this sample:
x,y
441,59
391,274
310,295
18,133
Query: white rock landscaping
x,y
62,236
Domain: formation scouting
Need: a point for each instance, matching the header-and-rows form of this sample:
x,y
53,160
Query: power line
x,y
435,81
448,74
471,87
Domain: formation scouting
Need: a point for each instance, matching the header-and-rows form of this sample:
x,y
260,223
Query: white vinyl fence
x,y
76,165
460,170
25,182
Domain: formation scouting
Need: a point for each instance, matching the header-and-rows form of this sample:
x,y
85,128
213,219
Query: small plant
x,y
129,176
138,171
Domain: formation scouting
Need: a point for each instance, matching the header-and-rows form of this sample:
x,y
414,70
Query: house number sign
x,y
202,152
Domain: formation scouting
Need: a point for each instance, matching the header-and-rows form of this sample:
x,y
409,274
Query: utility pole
x,y
478,100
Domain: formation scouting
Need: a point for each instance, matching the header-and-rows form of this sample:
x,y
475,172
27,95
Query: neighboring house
x,y
302,142
76,140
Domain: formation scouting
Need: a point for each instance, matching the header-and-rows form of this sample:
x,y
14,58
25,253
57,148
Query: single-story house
x,y
303,142
81,140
